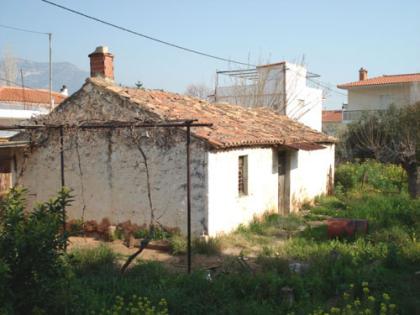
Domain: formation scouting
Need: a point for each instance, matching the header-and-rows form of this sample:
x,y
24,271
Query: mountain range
x,y
36,75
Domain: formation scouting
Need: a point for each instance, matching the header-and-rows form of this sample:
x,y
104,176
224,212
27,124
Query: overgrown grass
x,y
85,260
318,272
371,175
209,246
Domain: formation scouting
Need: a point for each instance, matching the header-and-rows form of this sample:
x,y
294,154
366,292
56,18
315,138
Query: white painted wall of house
x,y
308,178
226,208
114,181
304,103
381,97
309,174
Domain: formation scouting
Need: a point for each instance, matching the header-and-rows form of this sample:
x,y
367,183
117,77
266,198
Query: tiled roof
x,y
34,96
383,80
332,116
233,125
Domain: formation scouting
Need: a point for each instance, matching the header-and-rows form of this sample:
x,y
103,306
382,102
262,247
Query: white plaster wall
x,y
279,84
369,98
112,181
309,174
304,103
225,207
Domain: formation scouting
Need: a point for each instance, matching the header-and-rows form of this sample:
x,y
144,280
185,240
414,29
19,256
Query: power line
x,y
17,84
325,86
147,36
22,29
171,44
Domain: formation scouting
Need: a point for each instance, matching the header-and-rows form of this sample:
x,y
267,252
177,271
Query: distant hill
x,y
36,75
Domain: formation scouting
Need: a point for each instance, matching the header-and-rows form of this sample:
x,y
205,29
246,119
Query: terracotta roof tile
x,y
332,116
233,125
35,96
383,80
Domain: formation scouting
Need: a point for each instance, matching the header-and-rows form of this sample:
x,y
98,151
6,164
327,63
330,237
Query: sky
x,y
335,38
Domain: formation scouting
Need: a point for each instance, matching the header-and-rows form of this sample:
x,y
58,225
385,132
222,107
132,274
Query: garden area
x,y
273,265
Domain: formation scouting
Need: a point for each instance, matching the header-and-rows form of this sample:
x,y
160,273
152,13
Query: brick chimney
x,y
101,63
363,74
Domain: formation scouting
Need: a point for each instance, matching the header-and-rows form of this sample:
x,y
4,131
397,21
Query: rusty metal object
x,y
346,227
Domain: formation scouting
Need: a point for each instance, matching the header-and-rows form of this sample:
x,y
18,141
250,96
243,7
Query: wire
x,y
325,86
147,36
17,84
22,29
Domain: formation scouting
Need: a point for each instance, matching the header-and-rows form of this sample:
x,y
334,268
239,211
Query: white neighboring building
x,y
379,93
251,160
17,103
279,86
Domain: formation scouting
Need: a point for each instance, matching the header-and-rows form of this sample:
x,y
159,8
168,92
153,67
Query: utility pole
x,y
50,68
23,89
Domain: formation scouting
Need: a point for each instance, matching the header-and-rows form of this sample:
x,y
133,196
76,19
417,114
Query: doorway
x,y
283,182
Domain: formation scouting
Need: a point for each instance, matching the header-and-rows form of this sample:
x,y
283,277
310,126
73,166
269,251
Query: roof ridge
x,y
30,89
233,125
399,75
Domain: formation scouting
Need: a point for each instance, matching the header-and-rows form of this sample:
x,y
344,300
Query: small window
x,y
243,175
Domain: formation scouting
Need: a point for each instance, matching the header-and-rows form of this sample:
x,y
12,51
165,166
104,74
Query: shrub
x,y
371,174
92,259
354,302
74,227
157,233
136,306
211,246
31,248
178,244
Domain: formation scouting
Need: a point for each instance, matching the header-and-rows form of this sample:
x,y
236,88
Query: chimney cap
x,y
102,49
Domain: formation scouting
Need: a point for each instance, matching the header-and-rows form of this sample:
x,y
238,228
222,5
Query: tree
x,y
198,90
391,136
32,270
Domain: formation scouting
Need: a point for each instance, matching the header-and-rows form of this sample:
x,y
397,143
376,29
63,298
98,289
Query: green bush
x,y
353,303
135,306
211,246
92,259
371,175
178,244
156,233
31,249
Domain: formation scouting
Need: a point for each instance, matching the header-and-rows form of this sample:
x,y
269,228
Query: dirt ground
x,y
159,252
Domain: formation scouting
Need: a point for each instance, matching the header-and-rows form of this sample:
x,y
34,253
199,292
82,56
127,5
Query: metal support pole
x,y
50,67
188,198
62,175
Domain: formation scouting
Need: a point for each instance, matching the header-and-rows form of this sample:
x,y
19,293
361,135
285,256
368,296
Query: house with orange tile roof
x,y
332,122
244,161
16,105
379,93
20,103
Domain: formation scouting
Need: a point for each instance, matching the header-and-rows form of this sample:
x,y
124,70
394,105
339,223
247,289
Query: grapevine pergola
x,y
95,125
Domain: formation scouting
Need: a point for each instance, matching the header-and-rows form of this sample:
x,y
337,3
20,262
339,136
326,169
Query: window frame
x,y
243,179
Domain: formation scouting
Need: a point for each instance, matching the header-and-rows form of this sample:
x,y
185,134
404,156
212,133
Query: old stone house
x,y
251,160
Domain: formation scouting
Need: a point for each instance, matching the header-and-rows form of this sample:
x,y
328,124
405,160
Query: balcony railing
x,y
354,115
